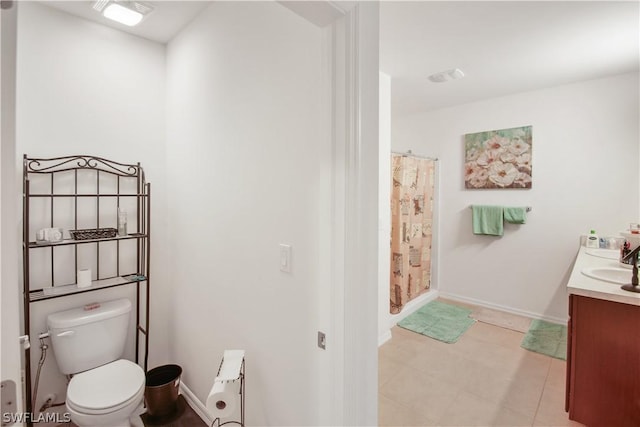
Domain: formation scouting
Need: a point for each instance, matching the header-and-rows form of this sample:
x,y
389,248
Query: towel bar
x,y
528,208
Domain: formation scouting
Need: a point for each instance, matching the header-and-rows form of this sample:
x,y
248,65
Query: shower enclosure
x,y
412,209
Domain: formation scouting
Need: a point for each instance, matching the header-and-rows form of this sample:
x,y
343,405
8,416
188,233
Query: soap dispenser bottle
x,y
592,240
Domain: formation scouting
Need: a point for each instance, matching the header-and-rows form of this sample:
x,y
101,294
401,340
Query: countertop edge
x,y
579,284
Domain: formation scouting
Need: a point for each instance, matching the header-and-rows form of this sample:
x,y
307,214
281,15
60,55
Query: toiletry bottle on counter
x,y
592,240
624,250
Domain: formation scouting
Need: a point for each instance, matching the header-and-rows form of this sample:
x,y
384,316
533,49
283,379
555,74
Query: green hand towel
x,y
488,220
515,215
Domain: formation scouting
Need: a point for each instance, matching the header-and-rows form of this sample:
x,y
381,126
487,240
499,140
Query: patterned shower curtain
x,y
411,228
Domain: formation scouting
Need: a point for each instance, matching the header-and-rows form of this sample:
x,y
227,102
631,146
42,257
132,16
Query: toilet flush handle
x,y
66,333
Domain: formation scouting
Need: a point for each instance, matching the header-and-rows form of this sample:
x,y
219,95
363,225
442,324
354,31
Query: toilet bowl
x,y
106,396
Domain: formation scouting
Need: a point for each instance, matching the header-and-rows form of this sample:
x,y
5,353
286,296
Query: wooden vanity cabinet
x,y
603,363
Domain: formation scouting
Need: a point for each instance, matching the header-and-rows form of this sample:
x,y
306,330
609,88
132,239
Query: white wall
x,y
83,88
249,167
585,170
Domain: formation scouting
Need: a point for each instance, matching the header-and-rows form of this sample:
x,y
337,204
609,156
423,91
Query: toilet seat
x,y
107,388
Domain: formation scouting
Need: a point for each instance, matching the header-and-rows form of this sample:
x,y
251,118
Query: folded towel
x,y
488,220
515,215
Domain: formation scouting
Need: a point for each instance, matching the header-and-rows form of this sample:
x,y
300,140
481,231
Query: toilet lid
x,y
106,386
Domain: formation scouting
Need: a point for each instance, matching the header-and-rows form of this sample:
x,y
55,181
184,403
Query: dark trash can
x,y
161,390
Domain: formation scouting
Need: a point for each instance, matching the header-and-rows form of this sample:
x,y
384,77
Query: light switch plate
x,y
285,258
322,340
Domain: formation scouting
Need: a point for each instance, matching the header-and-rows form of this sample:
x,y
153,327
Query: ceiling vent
x,y
446,76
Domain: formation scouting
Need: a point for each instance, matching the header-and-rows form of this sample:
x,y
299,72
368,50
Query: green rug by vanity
x,y
546,338
444,322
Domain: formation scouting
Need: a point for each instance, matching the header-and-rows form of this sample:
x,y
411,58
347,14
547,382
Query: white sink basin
x,y
604,253
609,274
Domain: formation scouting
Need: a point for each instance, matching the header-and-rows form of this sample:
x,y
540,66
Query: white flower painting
x,y
498,158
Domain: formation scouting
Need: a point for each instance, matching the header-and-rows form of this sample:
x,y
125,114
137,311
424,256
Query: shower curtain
x,y
411,228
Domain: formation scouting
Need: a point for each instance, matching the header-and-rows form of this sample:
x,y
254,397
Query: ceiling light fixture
x,y
129,13
446,76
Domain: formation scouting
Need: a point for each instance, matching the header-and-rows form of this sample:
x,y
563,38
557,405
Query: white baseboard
x,y
198,407
386,336
480,303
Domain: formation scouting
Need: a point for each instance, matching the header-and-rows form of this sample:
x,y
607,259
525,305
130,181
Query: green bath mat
x,y
546,338
444,322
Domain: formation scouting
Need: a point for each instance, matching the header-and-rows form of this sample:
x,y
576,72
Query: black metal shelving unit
x,y
76,172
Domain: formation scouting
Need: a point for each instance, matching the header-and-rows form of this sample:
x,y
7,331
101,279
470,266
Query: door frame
x,y
9,213
355,215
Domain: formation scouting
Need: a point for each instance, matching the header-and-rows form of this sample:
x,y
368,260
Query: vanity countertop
x,y
579,284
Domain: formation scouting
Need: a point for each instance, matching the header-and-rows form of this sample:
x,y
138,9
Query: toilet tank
x,y
87,337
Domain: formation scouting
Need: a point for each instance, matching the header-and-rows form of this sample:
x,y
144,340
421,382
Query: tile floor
x,y
184,417
484,379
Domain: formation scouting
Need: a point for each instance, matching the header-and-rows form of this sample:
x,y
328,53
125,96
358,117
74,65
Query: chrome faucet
x,y
633,256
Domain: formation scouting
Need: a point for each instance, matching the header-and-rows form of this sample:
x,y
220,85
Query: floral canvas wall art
x,y
498,158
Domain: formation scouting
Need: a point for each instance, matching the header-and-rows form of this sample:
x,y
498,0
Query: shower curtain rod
x,y
409,153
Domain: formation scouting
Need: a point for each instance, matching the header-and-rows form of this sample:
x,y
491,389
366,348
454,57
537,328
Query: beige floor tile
x,y
401,333
394,350
512,361
419,344
542,421
489,355
392,413
485,379
551,410
516,393
413,341
502,319
495,335
471,410
557,374
426,346
388,368
473,348
524,396
530,364
490,384
423,393
508,417
447,365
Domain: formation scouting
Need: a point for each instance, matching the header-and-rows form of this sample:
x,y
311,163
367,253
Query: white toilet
x,y
88,343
